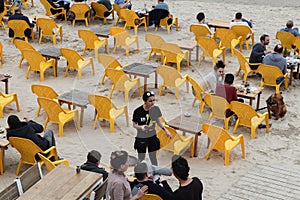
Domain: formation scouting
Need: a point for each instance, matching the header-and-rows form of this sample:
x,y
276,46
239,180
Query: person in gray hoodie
x,y
276,59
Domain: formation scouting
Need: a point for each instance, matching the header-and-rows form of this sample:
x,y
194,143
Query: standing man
x,y
144,119
259,50
29,129
19,16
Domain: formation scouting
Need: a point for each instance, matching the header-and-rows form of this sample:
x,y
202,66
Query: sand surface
x,y
279,147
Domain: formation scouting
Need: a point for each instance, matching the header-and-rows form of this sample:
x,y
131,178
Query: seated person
x,y
238,20
190,188
259,51
160,11
276,59
201,18
106,3
59,4
289,28
212,79
143,178
161,5
124,3
19,16
227,91
92,164
28,129
18,3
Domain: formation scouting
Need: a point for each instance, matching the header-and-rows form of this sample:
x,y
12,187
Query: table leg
x,y
197,52
297,75
291,75
155,83
6,86
145,84
2,160
190,55
56,61
81,115
196,145
257,101
250,103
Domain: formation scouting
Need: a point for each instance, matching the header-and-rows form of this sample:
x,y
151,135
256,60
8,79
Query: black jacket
x,y
165,191
89,166
156,15
29,131
20,17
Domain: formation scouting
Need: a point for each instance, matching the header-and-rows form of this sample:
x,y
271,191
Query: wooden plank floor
x,y
266,183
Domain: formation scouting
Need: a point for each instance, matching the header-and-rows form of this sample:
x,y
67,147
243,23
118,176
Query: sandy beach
x,y
278,148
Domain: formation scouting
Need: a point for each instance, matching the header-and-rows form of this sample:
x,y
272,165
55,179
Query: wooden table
x,y
192,124
217,23
3,146
51,52
251,96
188,45
75,98
139,69
5,80
63,183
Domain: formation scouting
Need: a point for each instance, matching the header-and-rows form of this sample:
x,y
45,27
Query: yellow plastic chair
x,y
164,22
122,82
37,63
122,38
133,20
286,39
1,22
49,8
210,49
198,92
173,54
108,62
47,27
28,150
177,143
57,114
201,30
248,117
246,33
244,64
22,45
270,74
50,165
43,91
221,140
171,78
226,36
1,54
218,106
117,8
6,99
156,43
297,45
75,61
106,110
19,26
101,11
150,197
92,41
81,12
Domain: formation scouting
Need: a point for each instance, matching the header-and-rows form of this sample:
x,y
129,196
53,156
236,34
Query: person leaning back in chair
x,y
28,129
259,50
19,16
92,164
144,119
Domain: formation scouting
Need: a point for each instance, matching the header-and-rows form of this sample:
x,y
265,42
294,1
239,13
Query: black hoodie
x,y
29,131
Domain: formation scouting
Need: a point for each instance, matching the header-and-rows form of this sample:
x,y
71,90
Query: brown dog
x,y
276,105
